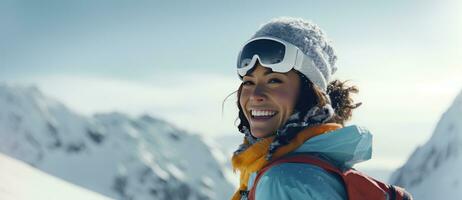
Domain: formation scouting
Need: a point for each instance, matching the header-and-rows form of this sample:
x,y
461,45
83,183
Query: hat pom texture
x,y
307,36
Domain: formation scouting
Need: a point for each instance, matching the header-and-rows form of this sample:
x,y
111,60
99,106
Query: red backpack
x,y
359,186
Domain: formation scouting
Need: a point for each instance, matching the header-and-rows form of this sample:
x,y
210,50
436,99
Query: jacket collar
x,y
345,146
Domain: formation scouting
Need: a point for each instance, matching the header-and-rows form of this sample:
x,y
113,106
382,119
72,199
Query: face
x,y
268,99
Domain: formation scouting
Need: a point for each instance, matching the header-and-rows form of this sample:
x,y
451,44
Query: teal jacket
x,y
343,147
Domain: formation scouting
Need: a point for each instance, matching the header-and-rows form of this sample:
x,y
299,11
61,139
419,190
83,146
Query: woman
x,y
288,105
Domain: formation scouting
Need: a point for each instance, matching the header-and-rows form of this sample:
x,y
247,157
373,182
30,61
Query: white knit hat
x,y
310,39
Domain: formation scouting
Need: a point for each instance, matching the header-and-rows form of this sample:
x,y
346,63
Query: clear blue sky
x,y
129,39
175,59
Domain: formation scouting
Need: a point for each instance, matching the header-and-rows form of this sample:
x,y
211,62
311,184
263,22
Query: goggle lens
x,y
269,52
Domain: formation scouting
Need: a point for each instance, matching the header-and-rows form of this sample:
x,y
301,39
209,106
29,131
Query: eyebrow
x,y
268,71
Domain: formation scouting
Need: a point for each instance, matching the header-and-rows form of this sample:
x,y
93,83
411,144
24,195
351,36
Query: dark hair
x,y
311,95
340,96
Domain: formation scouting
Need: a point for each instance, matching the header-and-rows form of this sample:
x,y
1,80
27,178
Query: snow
x,y
113,154
226,145
433,170
19,181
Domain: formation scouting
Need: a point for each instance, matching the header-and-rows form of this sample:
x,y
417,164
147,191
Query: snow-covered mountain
x,y
20,181
433,170
112,154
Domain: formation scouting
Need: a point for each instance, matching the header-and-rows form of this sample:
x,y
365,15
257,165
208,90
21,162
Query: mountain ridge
x,y
427,172
133,158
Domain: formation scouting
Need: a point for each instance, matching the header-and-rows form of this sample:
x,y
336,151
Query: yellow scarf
x,y
253,158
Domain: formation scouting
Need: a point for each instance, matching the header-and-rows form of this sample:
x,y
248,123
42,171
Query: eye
x,y
247,83
275,80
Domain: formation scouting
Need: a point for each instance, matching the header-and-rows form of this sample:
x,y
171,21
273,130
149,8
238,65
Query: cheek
x,y
243,98
285,97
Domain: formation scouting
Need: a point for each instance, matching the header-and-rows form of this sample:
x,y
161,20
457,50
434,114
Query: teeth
x,y
259,113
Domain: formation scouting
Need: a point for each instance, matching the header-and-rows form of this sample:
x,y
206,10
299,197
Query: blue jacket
x,y
343,147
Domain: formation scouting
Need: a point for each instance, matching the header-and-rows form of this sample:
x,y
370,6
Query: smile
x,y
262,114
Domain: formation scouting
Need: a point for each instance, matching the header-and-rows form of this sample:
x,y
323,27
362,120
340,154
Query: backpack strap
x,y
359,186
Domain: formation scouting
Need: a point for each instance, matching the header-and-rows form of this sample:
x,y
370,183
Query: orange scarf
x,y
253,158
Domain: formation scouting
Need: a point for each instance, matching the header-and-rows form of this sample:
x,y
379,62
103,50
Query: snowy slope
x,y
228,144
20,181
112,154
433,170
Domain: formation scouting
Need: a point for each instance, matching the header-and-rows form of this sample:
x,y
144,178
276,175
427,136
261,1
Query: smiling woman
x,y
268,99
293,116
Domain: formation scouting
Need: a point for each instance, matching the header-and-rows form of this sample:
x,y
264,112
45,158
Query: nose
x,y
258,95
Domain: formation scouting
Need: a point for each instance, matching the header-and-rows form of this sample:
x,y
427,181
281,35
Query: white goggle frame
x,y
293,58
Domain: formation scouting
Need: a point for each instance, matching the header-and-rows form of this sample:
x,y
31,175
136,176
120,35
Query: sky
x,y
176,59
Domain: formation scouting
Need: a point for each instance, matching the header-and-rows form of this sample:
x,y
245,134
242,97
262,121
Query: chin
x,y
261,134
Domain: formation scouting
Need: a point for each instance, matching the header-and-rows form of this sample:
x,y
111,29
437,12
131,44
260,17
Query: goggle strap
x,y
313,73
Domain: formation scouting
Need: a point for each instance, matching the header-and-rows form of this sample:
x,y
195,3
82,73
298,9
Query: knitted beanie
x,y
310,39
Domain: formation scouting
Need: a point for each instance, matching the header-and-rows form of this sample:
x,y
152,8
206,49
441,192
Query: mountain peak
x,y
433,168
111,153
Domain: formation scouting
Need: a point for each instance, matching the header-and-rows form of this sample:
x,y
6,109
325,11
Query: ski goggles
x,y
280,56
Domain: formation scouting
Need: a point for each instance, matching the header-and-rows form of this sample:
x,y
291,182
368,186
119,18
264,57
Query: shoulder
x,y
299,181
